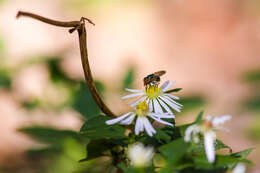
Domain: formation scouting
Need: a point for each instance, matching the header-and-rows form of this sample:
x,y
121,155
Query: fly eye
x,y
150,76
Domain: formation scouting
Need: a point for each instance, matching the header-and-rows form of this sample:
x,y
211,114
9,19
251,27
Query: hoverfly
x,y
154,78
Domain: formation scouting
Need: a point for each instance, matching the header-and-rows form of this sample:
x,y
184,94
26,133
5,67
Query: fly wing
x,y
160,73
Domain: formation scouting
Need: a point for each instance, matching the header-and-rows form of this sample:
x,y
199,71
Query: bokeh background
x,y
210,47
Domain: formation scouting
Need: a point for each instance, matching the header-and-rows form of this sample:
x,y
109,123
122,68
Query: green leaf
x,y
242,154
225,161
49,135
199,147
98,148
5,78
43,152
197,170
31,105
199,118
254,130
253,104
132,169
222,161
158,161
252,76
162,137
94,123
192,102
173,90
74,149
107,132
201,162
174,150
53,63
95,128
173,153
122,166
56,72
129,78
84,102
220,145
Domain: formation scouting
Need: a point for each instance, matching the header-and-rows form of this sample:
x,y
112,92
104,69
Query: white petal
x,y
133,90
115,120
135,103
221,128
172,105
169,86
168,110
220,120
165,84
209,139
157,106
178,105
148,127
161,121
209,118
172,96
165,115
128,120
133,95
137,126
142,124
193,129
169,98
240,168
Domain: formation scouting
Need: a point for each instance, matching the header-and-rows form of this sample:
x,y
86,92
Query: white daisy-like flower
x,y
142,123
240,168
139,155
156,97
208,129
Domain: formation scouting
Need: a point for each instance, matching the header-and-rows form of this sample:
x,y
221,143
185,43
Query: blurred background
x,y
210,47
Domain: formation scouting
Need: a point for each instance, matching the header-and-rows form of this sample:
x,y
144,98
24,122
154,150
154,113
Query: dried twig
x,y
80,27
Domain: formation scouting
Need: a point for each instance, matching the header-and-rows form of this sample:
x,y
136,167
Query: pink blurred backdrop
x,y
205,45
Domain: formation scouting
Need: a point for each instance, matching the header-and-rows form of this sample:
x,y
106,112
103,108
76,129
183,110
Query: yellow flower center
x,y
141,109
152,91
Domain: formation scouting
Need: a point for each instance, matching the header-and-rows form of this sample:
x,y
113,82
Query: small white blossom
x,y
139,155
142,123
240,168
156,97
208,129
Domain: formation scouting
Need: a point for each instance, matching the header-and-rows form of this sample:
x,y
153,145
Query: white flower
x,y
158,100
240,168
142,123
139,155
208,129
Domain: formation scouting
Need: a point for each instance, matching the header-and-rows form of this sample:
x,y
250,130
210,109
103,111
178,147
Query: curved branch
x,y
88,76
46,20
80,27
